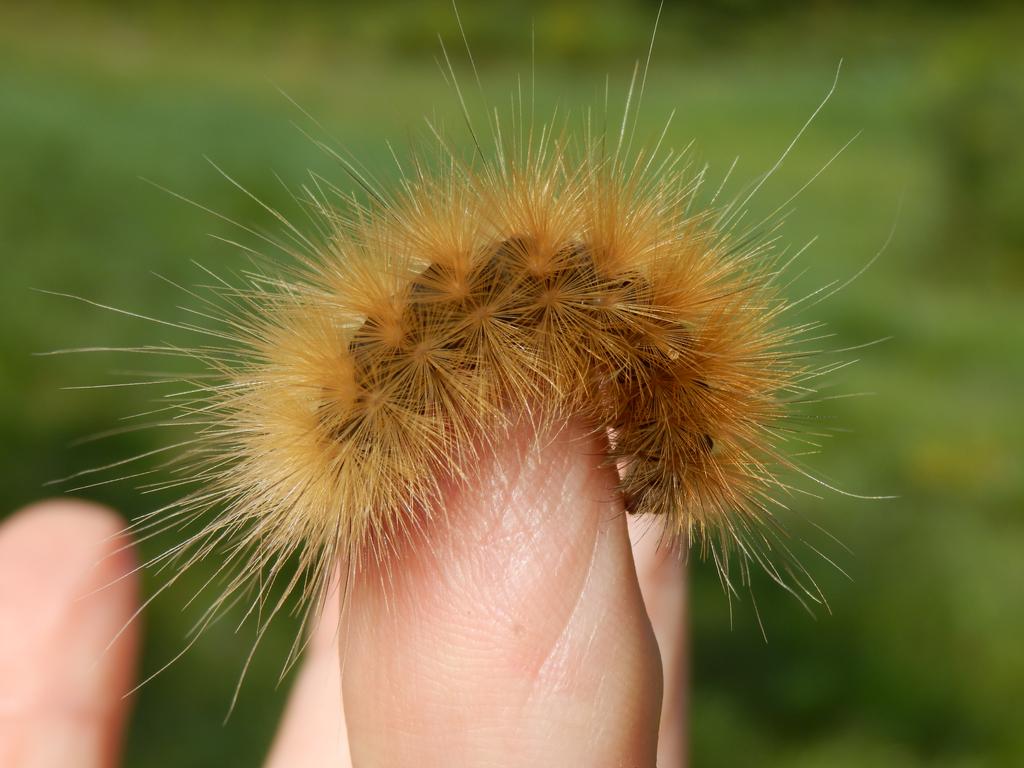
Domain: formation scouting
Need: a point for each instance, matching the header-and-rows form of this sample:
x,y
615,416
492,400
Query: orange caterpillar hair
x,y
557,278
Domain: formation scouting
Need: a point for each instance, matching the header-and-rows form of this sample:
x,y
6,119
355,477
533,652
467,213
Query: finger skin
x,y
514,632
61,691
312,733
662,576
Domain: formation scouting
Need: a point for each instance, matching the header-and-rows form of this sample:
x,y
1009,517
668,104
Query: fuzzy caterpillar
x,y
555,276
553,280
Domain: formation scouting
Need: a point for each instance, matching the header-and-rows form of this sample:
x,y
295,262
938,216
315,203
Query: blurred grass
x,y
919,662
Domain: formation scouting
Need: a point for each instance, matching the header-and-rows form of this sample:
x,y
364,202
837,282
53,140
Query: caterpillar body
x,y
554,279
559,275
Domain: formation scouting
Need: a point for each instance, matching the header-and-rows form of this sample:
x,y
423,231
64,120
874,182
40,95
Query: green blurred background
x,y
920,661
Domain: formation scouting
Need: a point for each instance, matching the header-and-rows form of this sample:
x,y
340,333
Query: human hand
x,y
515,633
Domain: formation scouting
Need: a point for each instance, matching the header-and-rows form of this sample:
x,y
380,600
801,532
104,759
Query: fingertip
x,y
65,549
67,589
65,526
515,627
